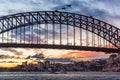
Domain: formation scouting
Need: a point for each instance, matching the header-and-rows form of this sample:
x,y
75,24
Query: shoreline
x,y
59,72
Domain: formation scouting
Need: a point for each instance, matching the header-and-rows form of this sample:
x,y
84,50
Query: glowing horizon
x,y
33,55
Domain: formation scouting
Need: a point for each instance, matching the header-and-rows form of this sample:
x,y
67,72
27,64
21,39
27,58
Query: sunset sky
x,y
106,10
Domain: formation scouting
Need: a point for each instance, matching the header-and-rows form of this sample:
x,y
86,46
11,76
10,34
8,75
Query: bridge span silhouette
x,y
58,30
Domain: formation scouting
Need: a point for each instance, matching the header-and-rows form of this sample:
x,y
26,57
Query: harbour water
x,y
68,76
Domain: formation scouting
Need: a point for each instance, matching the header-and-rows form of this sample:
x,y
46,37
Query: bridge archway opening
x,y
56,34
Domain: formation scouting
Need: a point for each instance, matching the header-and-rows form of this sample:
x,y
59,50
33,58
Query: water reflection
x,y
68,76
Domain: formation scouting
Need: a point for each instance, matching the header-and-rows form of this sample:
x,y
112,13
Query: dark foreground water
x,y
68,76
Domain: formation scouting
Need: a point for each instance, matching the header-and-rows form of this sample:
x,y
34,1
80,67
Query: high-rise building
x,y
24,63
40,66
47,64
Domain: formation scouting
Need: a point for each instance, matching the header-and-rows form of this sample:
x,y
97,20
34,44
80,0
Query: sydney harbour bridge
x,y
58,30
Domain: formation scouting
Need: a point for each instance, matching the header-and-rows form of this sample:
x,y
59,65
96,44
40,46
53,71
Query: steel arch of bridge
x,y
106,31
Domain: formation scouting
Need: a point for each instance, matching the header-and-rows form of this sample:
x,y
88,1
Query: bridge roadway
x,y
51,46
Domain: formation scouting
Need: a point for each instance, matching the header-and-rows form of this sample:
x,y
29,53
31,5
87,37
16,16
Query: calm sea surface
x,y
68,76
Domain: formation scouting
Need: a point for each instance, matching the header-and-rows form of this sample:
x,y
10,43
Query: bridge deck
x,y
67,47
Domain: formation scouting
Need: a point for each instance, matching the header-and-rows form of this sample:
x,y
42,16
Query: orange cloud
x,y
110,46
85,54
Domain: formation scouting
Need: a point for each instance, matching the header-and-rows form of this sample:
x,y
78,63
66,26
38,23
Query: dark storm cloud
x,y
86,9
38,56
111,2
5,56
78,6
112,6
90,8
42,31
17,53
11,61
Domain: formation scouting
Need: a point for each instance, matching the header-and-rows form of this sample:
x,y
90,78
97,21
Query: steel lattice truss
x,y
104,30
